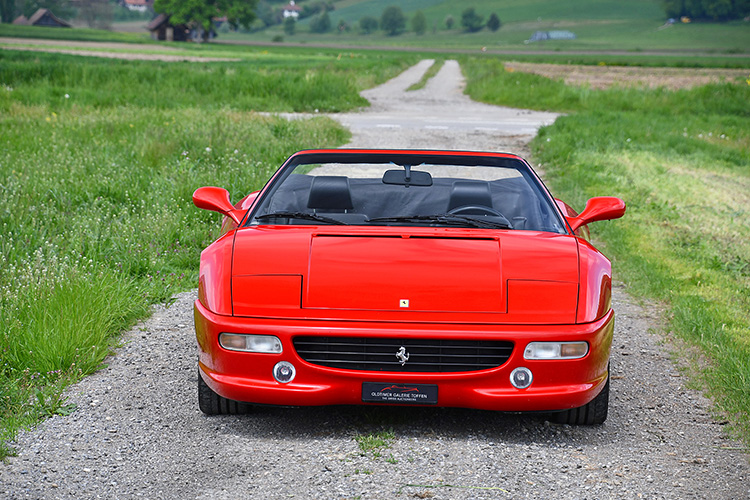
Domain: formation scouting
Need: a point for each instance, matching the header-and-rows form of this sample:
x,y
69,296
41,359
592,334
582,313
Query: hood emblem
x,y
402,355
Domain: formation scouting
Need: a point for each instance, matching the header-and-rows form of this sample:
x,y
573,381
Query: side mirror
x,y
216,199
599,208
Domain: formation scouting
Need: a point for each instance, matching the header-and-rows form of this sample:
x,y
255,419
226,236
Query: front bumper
x,y
557,384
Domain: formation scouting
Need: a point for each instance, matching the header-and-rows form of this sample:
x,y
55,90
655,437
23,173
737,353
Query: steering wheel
x,y
475,210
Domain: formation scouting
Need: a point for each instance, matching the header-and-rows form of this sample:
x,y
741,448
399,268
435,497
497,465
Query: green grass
x,y
95,191
78,34
600,25
431,71
680,160
374,442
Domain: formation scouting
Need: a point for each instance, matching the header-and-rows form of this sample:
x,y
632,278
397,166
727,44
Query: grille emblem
x,y
402,355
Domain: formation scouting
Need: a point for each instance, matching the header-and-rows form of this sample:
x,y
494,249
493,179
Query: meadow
x,y
681,160
98,162
599,25
99,158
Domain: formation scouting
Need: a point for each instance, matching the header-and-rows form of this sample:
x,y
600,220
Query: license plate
x,y
383,392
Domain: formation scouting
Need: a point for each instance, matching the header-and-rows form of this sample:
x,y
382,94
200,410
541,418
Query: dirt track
x,y
137,432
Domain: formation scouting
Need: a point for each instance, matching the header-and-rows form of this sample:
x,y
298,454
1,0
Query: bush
x,y
368,24
321,23
393,21
419,23
449,22
290,25
471,21
493,23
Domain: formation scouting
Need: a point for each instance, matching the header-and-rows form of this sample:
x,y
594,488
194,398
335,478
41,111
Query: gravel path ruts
x,y
138,433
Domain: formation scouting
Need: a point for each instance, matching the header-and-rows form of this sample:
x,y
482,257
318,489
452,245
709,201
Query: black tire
x,y
593,413
211,403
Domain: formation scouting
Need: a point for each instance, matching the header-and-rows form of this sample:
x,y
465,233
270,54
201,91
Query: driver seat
x,y
470,193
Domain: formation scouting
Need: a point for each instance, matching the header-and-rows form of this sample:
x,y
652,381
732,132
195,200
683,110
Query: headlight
x,y
267,344
556,350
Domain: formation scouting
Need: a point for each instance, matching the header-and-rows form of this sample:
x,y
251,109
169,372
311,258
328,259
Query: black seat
x,y
470,194
330,193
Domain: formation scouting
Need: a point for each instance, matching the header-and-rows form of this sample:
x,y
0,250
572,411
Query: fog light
x,y
268,344
556,350
521,378
284,372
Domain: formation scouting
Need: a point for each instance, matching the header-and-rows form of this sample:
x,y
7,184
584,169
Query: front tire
x,y
592,413
211,403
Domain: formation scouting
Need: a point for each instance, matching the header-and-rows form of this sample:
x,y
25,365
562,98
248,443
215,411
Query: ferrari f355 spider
x,y
401,277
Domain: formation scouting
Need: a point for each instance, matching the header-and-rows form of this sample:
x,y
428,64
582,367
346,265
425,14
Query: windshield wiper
x,y
447,219
301,215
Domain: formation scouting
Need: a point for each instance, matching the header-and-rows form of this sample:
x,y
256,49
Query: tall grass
x,y
269,84
96,215
681,161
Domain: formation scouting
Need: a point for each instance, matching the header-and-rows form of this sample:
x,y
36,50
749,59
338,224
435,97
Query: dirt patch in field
x,y
602,77
84,49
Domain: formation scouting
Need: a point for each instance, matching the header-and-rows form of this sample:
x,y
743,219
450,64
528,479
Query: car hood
x,y
417,274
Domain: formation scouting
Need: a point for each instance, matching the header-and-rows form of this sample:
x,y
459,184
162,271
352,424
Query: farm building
x,y
162,29
138,5
291,10
42,17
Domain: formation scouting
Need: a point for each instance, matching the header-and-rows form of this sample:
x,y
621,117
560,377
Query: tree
x,y
368,24
60,8
199,13
449,22
290,25
96,13
419,23
719,10
266,13
393,21
7,11
320,23
493,23
471,21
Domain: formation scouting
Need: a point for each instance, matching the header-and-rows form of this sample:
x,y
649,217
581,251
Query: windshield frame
x,y
399,158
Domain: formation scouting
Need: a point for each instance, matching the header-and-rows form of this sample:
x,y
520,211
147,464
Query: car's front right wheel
x,y
211,403
592,413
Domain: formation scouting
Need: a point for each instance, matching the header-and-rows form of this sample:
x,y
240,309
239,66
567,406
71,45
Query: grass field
x,y
98,162
98,159
599,25
681,161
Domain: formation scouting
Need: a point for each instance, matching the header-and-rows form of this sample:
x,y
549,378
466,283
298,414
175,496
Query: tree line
x,y
394,22
708,10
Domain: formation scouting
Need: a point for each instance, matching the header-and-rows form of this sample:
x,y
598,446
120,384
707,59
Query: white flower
x,y
208,150
67,96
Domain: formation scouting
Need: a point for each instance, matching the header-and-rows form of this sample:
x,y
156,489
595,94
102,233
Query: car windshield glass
x,y
407,190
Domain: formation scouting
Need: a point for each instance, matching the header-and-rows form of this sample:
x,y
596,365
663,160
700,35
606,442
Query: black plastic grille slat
x,y
425,355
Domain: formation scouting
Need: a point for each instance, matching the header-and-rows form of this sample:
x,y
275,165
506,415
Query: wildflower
x,y
208,150
67,96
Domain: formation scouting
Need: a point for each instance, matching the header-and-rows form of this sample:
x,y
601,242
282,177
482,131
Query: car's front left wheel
x,y
211,403
592,413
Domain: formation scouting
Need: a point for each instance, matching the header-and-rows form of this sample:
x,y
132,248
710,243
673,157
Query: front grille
x,y
425,355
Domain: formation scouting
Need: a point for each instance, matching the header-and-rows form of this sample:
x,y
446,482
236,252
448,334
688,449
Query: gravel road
x,y
138,432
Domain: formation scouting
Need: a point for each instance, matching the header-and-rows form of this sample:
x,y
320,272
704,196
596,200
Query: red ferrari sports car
x,y
386,277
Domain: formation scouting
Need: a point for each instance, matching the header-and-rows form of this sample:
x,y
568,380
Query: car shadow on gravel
x,y
414,422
